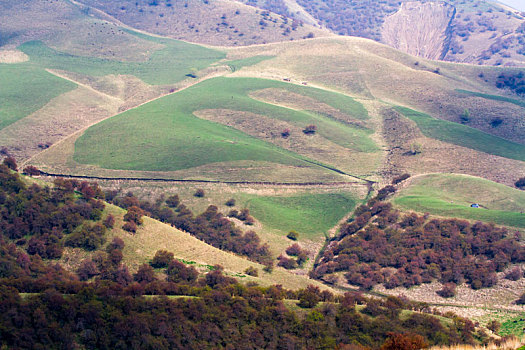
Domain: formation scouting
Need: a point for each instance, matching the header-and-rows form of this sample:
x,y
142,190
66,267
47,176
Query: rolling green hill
x,y
167,136
452,195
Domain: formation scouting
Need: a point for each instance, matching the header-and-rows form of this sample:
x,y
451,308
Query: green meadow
x,y
452,195
164,135
465,136
308,214
25,89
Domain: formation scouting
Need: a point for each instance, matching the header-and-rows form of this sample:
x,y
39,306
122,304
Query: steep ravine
x,y
420,29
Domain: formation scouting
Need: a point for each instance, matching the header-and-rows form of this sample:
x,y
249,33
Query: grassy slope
x,y
493,97
308,214
25,88
167,65
153,235
168,137
464,136
451,195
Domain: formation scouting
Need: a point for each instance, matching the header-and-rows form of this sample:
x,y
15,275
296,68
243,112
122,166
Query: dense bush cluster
x,y
211,226
42,219
514,82
383,246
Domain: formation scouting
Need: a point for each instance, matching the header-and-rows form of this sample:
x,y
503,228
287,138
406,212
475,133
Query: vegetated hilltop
x,y
212,22
471,31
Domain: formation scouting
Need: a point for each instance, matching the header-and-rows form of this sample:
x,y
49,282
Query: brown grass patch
x,y
13,56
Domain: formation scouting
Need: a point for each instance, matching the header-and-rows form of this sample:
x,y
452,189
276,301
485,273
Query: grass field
x,y
165,66
465,136
451,195
25,88
164,135
493,97
308,214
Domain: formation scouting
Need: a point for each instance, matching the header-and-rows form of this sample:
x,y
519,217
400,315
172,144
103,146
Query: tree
x,y
31,171
230,202
10,162
294,249
134,215
161,259
520,183
130,226
199,193
173,201
109,221
448,290
145,274
309,297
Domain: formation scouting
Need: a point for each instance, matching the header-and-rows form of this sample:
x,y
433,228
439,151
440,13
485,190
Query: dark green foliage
x,y
199,193
309,297
230,202
520,183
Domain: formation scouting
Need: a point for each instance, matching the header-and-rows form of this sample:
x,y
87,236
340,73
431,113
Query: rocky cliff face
x,y
421,29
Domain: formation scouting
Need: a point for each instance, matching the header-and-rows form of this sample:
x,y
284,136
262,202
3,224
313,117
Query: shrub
x,y
173,201
199,193
521,300
520,183
161,259
130,226
292,235
514,274
400,178
285,133
252,271
294,249
230,202
31,170
287,263
10,162
134,215
448,290
109,221
310,129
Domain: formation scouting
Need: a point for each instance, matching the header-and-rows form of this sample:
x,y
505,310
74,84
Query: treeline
x,y
211,226
383,246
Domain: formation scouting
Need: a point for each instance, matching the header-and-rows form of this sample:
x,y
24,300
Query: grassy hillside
x,y
517,102
452,195
168,136
167,65
309,214
465,136
25,89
